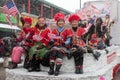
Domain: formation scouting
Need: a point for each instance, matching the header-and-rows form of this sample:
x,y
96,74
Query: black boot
x,y
77,71
26,62
57,70
81,71
31,66
78,58
37,65
96,55
12,65
51,71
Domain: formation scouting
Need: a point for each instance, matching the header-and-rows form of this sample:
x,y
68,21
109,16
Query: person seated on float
x,y
108,23
2,47
25,40
93,42
93,45
40,48
102,31
58,51
101,44
77,47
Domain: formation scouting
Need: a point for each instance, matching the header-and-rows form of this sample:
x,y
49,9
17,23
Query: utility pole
x,y
29,6
80,4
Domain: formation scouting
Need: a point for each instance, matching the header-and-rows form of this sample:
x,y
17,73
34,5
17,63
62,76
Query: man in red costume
x,y
25,41
58,51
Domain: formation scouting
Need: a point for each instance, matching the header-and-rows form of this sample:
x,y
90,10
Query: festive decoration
x,y
59,16
102,78
28,20
94,36
74,17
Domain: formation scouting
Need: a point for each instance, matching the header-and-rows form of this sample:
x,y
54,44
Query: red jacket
x,y
43,33
26,34
76,36
64,34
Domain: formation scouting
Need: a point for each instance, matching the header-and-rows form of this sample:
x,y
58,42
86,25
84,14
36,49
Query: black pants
x,y
78,57
56,54
107,42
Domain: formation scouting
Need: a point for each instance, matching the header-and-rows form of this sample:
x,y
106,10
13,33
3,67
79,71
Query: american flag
x,y
10,8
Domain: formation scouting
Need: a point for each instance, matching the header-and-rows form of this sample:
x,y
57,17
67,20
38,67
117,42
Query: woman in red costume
x,y
40,48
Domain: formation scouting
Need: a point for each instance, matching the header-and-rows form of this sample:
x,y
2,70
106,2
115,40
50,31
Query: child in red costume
x,y
26,42
58,50
77,43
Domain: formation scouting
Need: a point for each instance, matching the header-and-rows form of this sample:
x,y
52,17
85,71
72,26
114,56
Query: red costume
x,y
57,51
43,35
94,41
26,38
77,43
76,36
64,35
40,49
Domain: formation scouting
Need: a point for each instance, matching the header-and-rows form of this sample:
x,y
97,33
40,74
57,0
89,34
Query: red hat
x,y
59,16
94,36
74,17
28,20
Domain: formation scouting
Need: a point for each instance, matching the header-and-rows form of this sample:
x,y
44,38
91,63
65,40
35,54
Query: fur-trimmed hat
x,y
28,20
74,17
59,16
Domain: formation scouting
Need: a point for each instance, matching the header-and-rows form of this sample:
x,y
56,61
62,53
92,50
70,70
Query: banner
x,y
98,9
3,19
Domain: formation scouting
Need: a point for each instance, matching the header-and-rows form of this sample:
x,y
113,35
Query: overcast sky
x,y
70,5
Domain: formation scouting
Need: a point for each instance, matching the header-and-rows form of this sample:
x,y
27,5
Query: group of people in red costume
x,y
46,46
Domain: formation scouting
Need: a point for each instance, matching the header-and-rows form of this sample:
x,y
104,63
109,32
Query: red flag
x,y
53,36
92,6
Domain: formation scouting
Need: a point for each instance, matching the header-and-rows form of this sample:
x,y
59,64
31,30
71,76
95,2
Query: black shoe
x,y
51,71
37,69
57,70
96,55
106,51
81,71
77,71
57,73
12,65
30,69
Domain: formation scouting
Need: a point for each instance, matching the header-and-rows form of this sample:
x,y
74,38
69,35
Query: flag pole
x,y
29,6
80,4
16,8
19,15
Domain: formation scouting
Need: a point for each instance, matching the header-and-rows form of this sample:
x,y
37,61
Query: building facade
x,y
37,7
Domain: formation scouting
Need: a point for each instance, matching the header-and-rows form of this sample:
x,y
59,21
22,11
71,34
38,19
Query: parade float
x,y
104,68
101,69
